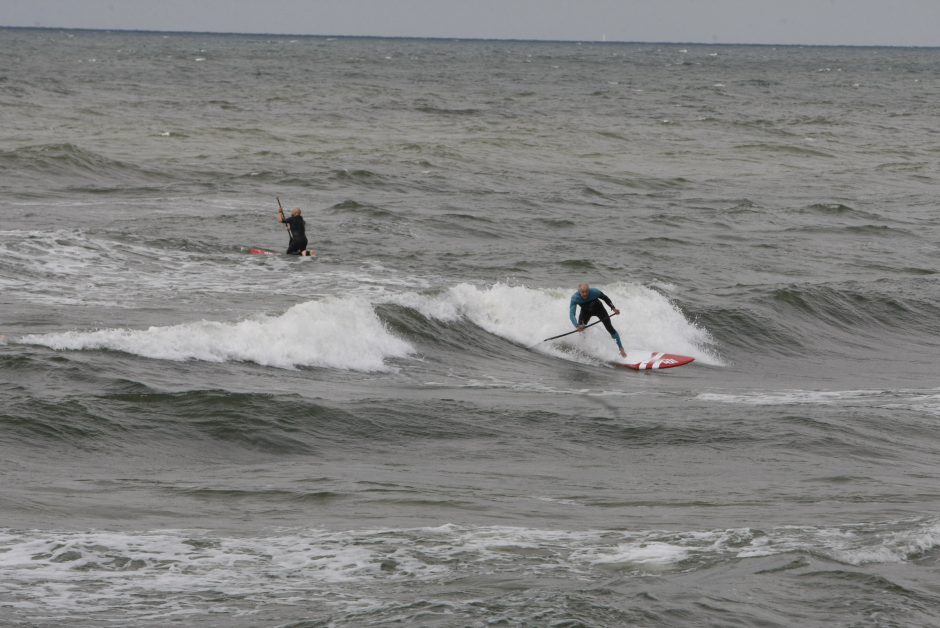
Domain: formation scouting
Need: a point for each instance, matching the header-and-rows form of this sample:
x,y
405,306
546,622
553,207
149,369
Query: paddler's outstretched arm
x,y
280,211
606,299
571,310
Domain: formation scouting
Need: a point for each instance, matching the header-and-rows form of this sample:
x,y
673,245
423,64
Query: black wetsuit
x,y
591,306
298,236
594,308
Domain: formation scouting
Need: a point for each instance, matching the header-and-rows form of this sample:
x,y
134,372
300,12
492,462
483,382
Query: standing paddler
x,y
297,229
589,299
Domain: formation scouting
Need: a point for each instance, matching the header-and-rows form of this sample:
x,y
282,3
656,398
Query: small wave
x,y
443,111
360,177
785,149
922,402
916,169
332,334
743,207
840,211
792,319
117,420
666,241
75,168
589,191
470,218
913,270
816,120
829,209
845,308
558,223
361,209
878,230
640,182
758,83
253,134
450,225
794,397
47,424
577,264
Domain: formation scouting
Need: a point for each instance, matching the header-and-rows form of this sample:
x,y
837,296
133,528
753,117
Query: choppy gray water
x,y
193,435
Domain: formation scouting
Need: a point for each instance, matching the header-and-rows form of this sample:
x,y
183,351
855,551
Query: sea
x,y
192,435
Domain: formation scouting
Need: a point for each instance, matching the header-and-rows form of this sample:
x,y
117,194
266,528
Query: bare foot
x,y
623,353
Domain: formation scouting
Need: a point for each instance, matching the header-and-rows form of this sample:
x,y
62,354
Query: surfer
x,y
297,229
590,301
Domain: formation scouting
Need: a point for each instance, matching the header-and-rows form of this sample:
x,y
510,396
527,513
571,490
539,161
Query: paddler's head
x,y
583,290
295,211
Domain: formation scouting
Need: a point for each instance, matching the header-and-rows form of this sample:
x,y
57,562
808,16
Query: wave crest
x,y
339,334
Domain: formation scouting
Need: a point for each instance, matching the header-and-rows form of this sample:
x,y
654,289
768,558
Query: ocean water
x,y
192,435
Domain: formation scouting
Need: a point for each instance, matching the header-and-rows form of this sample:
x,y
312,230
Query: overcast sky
x,y
836,22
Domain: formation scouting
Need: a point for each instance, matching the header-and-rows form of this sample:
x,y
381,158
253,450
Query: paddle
x,y
568,333
575,331
280,208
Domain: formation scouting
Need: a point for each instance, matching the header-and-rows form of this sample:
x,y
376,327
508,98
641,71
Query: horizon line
x,y
457,39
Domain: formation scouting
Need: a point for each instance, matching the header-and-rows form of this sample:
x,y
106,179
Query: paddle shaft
x,y
576,330
280,208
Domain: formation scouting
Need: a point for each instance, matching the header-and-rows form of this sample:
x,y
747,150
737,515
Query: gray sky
x,y
838,22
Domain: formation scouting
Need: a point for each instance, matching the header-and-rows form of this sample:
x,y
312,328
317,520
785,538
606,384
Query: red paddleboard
x,y
648,360
257,251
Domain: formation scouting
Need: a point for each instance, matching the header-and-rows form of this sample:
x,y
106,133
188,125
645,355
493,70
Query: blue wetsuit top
x,y
593,295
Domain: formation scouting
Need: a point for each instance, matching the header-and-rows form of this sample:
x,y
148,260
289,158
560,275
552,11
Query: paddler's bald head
x,y
583,289
295,211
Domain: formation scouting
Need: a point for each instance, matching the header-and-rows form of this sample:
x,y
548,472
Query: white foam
x,y
893,547
166,573
339,334
553,500
537,387
852,545
787,397
925,401
162,574
85,269
645,553
527,316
